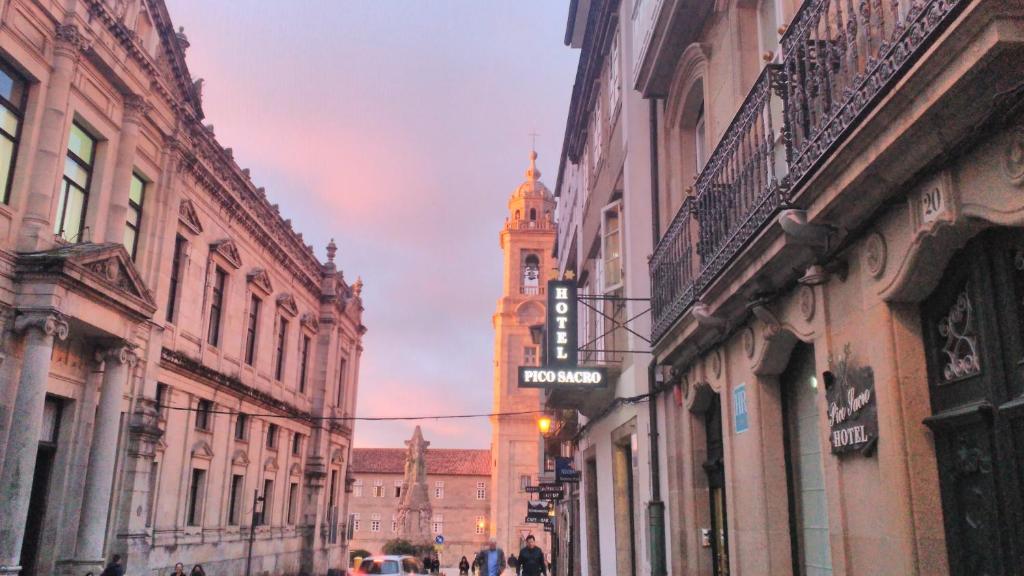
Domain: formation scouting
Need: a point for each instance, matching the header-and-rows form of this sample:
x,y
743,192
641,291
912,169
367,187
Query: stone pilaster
x,y
37,229
92,526
38,329
135,108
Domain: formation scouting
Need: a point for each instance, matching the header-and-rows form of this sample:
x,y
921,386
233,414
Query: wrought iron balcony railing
x,y
840,58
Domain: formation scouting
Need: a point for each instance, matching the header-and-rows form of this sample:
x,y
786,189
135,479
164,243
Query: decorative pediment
x,y
295,469
336,456
287,303
258,277
202,450
309,320
270,464
228,250
189,217
240,458
105,268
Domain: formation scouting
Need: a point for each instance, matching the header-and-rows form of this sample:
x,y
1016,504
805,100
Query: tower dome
x,y
531,203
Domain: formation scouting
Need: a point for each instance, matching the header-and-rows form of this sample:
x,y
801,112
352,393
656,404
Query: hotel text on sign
x,y
561,324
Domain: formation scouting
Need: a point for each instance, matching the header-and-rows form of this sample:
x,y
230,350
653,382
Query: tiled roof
x,y
440,461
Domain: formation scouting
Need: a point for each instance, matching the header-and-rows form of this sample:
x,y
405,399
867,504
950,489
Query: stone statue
x,y
414,509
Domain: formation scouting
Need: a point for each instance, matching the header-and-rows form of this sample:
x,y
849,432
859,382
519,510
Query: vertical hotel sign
x,y
562,335
561,359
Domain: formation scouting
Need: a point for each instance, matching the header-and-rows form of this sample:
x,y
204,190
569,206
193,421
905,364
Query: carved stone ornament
x,y
875,255
270,464
188,216
933,205
309,320
1013,157
135,108
202,450
748,341
229,251
287,303
295,469
259,278
114,271
69,40
120,354
240,458
716,363
806,296
49,322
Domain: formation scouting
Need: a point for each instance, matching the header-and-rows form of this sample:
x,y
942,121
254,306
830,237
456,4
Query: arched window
x,y
518,215
533,214
531,274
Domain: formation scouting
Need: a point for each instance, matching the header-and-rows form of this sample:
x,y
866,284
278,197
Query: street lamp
x,y
544,424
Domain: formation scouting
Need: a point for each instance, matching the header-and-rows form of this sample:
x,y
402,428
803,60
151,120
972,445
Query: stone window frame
x,y
481,491
439,489
398,488
480,525
378,489
357,488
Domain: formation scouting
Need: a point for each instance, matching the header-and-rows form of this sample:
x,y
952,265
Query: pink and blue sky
x,y
399,128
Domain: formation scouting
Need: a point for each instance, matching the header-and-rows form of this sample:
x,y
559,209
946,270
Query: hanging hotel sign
x,y
561,359
852,410
564,472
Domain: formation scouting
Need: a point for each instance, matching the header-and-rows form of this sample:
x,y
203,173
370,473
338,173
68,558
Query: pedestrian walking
x,y
491,560
531,559
114,568
197,570
179,569
463,566
513,562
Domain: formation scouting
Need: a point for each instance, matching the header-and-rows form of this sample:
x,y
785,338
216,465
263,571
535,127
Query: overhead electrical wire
x,y
351,418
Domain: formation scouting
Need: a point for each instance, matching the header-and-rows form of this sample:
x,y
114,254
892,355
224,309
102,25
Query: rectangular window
x,y
241,427
296,444
268,502
611,246
282,335
378,488
250,330
614,85
235,503
438,524
357,488
355,522
293,502
74,190
197,490
334,489
394,523
136,194
481,491
398,488
13,92
530,356
154,483
439,489
272,436
163,398
524,482
342,368
481,524
375,523
216,305
700,140
203,409
176,263
303,368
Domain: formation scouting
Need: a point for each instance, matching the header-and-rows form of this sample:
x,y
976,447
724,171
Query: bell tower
x,y
527,242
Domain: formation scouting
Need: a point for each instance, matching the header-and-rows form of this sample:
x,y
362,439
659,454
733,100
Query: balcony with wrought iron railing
x,y
840,58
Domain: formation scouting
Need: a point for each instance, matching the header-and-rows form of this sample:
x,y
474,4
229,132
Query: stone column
x,y
37,230
92,525
134,111
39,327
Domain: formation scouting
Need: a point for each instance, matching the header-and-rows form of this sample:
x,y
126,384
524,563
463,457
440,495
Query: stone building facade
x,y
171,347
835,281
459,491
527,241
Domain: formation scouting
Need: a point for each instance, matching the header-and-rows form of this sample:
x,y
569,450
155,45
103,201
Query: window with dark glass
x,y
341,382
195,497
293,502
74,190
203,410
250,330
272,436
216,306
282,334
161,395
136,193
235,504
176,262
297,444
242,427
303,369
268,501
12,106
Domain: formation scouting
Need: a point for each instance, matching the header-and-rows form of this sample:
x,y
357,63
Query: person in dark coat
x,y
463,566
197,570
531,559
179,569
114,568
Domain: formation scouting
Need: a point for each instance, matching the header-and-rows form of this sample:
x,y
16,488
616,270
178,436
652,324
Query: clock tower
x,y
527,242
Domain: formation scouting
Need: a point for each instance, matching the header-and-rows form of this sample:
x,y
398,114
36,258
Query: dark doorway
x,y
974,342
37,509
714,467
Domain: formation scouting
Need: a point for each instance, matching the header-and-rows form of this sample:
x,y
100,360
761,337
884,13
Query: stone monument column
x,y
39,327
92,525
134,111
37,229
